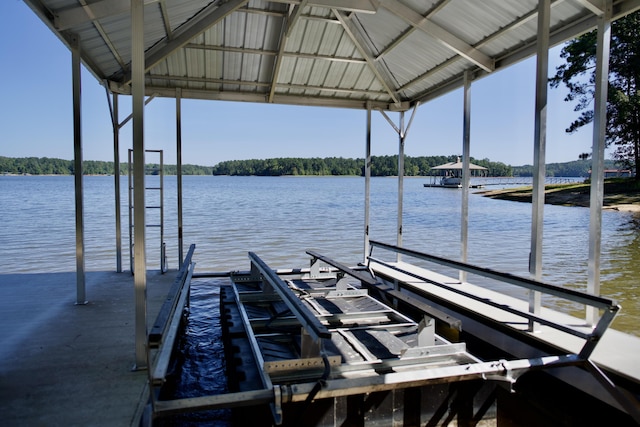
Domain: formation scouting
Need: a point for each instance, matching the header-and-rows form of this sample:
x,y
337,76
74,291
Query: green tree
x,y
623,107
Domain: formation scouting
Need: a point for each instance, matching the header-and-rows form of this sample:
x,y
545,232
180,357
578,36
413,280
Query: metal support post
x,y
116,182
540,141
597,169
466,178
81,297
367,185
179,170
401,137
140,261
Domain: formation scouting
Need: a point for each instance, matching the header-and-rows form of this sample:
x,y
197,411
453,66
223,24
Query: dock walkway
x,y
63,364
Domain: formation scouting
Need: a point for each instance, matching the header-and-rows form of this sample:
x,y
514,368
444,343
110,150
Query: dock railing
x,y
166,327
608,306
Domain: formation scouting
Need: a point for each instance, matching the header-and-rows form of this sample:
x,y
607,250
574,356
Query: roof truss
x,y
320,52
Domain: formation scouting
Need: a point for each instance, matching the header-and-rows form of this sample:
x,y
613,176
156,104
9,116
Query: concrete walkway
x,y
63,364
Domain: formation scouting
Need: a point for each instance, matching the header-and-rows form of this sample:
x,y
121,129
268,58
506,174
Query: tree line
x,y
380,166
50,166
577,74
577,168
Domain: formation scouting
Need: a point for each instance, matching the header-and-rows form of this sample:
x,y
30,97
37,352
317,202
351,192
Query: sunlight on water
x,y
280,218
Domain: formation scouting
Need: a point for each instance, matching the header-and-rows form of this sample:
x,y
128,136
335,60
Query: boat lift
x,y
332,332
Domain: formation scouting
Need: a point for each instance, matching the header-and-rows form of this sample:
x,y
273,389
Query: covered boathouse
x,y
434,343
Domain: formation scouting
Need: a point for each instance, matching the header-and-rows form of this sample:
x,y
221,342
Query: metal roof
x,y
339,53
458,165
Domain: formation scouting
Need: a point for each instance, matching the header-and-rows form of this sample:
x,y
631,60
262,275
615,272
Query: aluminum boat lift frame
x,y
319,372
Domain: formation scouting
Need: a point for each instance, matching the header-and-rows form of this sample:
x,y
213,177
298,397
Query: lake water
x,y
281,217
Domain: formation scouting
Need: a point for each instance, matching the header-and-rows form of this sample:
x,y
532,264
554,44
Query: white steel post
x,y
597,168
367,184
540,142
466,179
140,262
81,296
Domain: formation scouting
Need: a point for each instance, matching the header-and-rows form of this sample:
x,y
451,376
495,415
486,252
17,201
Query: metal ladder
x,y
154,202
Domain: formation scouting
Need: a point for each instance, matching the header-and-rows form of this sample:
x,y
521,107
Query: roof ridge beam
x,y
207,18
450,40
331,58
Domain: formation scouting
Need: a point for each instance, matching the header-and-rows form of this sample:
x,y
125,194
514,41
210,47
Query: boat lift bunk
x,y
334,344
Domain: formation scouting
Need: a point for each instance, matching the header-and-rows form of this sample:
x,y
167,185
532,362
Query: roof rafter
x,y
595,6
411,29
443,36
558,35
521,21
82,14
351,32
207,18
285,29
293,18
165,19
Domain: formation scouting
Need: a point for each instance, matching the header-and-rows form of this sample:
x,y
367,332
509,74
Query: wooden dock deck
x,y
63,364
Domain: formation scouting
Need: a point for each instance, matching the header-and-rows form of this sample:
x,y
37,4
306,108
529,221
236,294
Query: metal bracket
x,y
276,406
507,375
426,332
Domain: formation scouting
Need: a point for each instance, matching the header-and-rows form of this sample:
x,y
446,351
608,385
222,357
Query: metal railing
x,y
167,324
609,307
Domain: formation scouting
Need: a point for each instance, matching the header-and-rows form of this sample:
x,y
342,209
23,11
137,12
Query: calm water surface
x,y
281,217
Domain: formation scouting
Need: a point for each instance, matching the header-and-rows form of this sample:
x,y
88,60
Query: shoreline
x,y
615,198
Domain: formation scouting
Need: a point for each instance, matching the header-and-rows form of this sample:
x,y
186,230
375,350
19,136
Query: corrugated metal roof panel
x,y
474,21
232,49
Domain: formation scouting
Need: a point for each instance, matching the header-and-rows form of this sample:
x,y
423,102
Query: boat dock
x,y
71,365
349,357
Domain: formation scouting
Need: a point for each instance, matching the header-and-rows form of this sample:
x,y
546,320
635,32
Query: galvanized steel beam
x,y
398,40
78,171
448,39
307,319
204,20
80,15
595,6
367,184
539,151
401,137
557,36
140,260
353,35
179,169
466,179
279,56
597,169
116,181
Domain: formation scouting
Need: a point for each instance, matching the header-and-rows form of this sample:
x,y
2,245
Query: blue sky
x,y
36,117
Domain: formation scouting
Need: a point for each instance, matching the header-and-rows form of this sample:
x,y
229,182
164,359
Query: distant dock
x,y
481,182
